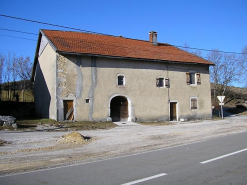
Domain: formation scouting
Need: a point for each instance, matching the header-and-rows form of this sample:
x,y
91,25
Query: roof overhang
x,y
36,56
129,58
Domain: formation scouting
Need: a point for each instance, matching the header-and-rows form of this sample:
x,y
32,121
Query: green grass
x,y
81,125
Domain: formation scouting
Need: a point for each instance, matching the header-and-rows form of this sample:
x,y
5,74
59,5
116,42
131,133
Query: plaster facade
x,y
45,88
77,78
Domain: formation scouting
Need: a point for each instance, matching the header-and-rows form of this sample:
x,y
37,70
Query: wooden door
x,y
173,111
68,109
119,109
124,110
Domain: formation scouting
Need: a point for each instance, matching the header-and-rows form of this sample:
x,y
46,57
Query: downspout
x,y
168,92
56,102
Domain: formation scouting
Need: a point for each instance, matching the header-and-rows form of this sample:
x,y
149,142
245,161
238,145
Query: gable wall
x,y
45,83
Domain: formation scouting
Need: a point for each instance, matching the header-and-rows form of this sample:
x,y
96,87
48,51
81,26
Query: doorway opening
x,y
68,108
119,109
173,111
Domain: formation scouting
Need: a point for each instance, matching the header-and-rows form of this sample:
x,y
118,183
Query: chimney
x,y
153,38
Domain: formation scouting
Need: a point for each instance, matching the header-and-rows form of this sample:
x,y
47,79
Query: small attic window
x,y
120,80
159,82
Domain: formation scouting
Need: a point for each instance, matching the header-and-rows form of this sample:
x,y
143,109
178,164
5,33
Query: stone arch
x,y
120,108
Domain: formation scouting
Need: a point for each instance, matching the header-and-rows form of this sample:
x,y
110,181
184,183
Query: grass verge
x,y
49,124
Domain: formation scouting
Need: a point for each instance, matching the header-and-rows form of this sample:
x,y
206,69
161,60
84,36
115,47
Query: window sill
x,y
120,85
194,109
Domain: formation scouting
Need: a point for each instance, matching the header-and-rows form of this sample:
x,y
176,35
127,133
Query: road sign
x,y
221,98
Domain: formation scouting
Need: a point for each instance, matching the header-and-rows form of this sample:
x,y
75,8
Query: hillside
x,y
233,97
10,91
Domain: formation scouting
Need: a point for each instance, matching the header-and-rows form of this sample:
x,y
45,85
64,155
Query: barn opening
x,y
119,108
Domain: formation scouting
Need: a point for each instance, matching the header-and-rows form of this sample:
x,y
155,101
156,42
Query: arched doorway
x,y
119,108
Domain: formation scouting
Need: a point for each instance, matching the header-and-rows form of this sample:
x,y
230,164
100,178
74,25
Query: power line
x,y
77,29
18,37
208,50
18,31
39,22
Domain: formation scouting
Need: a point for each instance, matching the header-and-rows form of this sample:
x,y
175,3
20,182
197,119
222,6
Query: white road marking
x,y
223,156
145,179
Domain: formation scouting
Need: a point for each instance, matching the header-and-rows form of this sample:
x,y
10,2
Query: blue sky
x,y
211,24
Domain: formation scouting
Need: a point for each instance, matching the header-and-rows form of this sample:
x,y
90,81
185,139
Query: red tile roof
x,y
105,45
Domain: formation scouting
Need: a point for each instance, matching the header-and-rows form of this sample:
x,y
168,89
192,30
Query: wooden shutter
x,y
198,78
167,82
188,78
193,103
157,82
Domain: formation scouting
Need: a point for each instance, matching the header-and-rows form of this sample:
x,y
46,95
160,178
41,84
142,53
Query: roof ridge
x,y
103,34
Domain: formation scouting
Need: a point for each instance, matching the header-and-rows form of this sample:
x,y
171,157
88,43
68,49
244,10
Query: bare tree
x,y
243,64
224,72
215,72
7,75
1,74
15,68
229,72
194,52
24,72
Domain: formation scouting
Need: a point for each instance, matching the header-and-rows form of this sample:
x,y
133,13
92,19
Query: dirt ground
x,y
26,151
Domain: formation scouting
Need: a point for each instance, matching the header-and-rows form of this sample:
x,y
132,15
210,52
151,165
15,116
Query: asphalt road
x,y
217,161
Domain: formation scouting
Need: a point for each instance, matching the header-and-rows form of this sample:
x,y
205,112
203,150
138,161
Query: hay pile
x,y
73,137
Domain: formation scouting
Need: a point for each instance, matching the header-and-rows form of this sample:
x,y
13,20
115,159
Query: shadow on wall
x,y
141,64
42,97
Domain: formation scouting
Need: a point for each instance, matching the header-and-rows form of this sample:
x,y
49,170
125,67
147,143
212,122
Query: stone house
x,y
93,77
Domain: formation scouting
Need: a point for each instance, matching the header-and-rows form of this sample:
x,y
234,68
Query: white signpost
x,y
221,99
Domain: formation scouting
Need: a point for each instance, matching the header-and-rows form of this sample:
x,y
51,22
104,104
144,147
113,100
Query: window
x,y
193,103
121,80
87,100
159,82
193,78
